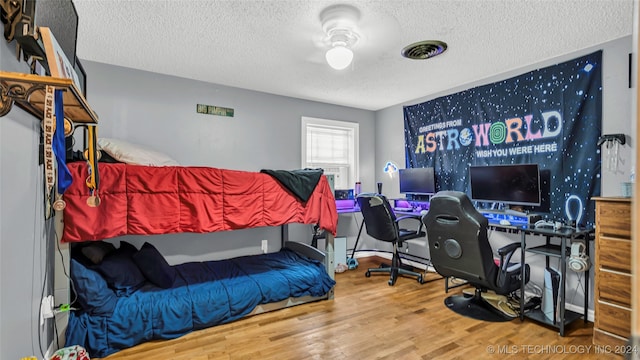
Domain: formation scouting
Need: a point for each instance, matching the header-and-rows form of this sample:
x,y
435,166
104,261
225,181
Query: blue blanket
x,y
204,294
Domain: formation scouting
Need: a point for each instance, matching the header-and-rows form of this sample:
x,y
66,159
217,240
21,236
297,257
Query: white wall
x,y
616,112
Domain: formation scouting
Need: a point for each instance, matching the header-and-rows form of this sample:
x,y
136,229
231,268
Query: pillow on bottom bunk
x,y
94,295
154,266
97,250
119,270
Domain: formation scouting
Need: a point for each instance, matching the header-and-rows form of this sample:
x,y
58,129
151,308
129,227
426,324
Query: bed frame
x,y
123,189
124,208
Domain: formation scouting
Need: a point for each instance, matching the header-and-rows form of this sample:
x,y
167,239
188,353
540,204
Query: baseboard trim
x,y
387,256
50,350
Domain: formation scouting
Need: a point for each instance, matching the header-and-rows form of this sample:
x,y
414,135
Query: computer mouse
x,y
505,222
423,212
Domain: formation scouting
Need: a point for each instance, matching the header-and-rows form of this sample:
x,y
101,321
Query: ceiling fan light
x,y
339,57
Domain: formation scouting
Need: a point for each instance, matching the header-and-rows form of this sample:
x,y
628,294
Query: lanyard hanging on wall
x,y
48,128
64,175
93,181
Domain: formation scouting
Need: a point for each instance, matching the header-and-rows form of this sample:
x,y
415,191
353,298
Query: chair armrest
x,y
411,217
414,217
506,252
508,248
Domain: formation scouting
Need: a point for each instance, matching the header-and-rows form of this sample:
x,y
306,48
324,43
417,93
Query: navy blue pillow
x,y
94,295
119,270
154,266
127,248
97,250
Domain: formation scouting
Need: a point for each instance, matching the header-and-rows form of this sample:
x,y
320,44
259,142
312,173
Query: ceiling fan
x,y
339,22
352,34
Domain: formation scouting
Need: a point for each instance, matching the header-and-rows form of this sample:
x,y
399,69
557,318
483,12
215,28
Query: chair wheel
x,y
420,280
367,274
391,282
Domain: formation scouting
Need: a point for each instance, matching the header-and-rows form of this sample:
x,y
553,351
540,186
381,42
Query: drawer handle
x,y
604,302
616,272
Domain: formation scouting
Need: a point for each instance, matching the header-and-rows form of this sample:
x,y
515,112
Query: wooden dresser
x,y
612,275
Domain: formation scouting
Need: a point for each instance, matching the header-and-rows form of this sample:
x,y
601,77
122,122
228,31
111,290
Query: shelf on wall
x,y
28,92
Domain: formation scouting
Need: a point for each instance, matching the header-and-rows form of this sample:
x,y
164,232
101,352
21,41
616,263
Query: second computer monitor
x,y
511,184
417,181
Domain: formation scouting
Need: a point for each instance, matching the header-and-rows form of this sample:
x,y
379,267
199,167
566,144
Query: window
x,y
333,146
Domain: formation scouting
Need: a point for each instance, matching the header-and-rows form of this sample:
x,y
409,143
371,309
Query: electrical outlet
x,y
265,246
46,309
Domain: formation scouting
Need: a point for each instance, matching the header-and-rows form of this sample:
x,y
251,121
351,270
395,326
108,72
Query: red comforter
x,y
144,200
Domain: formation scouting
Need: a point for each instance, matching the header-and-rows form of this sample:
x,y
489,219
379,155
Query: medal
x,y
86,154
93,201
59,204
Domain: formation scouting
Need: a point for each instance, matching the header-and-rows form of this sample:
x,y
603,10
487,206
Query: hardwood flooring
x,y
369,319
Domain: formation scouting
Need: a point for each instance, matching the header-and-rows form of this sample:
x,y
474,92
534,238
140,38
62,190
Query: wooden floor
x,y
369,319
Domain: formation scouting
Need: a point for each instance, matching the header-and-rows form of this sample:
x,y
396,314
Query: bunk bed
x,y
117,311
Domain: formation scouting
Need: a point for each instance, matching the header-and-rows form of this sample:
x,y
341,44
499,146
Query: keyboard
x,y
403,209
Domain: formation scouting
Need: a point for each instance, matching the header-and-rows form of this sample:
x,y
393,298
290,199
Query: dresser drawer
x,y
614,253
613,319
613,218
604,338
612,271
614,287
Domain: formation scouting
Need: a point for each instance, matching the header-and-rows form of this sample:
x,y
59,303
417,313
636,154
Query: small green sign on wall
x,y
214,110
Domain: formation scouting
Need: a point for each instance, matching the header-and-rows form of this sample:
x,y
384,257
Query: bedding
x,y
203,294
148,200
120,271
125,152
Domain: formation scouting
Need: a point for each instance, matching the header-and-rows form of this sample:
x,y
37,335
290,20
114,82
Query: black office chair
x,y
459,247
382,224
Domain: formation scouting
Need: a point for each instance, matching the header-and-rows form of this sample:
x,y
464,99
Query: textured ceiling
x,y
278,46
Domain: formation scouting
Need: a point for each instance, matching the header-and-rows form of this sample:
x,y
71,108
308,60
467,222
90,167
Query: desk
x,y
414,214
348,210
404,207
548,249
355,209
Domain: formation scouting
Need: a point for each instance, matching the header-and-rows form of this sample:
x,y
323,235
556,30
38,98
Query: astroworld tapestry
x,y
550,117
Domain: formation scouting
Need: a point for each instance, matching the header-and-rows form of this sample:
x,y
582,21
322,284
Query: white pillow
x,y
134,154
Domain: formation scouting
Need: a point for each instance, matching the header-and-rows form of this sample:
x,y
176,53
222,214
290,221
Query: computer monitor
x,y
516,184
417,181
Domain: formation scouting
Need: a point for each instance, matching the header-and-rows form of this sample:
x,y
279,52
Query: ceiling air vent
x,y
424,49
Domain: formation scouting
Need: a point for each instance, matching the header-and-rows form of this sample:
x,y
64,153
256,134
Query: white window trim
x,y
338,124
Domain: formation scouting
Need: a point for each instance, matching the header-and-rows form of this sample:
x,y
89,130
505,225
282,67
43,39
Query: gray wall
x,y
26,240
159,111
616,112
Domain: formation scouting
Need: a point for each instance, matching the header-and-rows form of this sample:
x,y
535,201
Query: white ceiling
x,y
278,46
